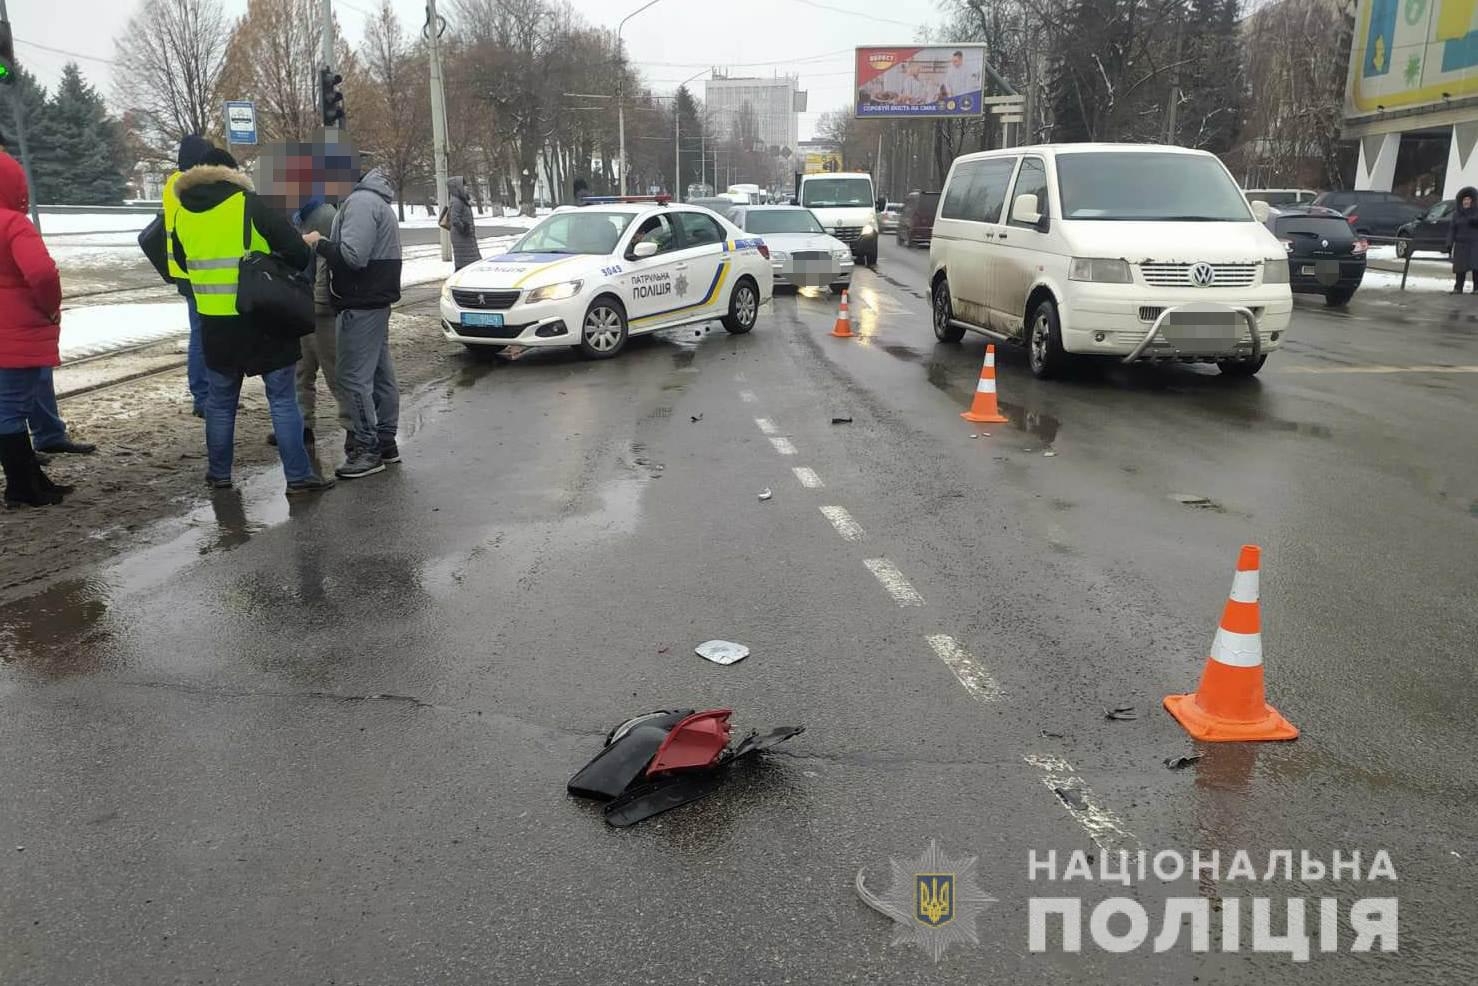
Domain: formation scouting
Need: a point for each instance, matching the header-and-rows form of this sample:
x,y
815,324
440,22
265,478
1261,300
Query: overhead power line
x,y
64,51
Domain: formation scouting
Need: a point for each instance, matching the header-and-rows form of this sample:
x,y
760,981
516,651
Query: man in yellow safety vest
x,y
219,219
192,151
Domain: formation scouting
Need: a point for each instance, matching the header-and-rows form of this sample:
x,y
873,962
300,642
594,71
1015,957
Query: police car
x,y
593,276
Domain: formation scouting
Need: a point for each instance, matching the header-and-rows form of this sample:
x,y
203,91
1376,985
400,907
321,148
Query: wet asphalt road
x,y
327,742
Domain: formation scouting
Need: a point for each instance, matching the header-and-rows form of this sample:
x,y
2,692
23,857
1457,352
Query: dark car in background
x,y
916,221
1428,232
1325,255
1372,213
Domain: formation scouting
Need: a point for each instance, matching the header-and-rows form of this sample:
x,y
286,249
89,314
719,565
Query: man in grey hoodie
x,y
363,254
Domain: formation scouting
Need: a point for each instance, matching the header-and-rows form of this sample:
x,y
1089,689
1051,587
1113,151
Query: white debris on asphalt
x,y
722,651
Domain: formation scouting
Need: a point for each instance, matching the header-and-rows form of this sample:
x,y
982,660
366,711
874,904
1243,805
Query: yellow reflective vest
x,y
213,244
172,206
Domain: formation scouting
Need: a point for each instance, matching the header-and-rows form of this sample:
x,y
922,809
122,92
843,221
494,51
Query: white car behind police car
x,y
594,276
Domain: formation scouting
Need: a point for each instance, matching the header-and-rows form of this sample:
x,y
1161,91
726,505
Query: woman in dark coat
x,y
463,225
1462,238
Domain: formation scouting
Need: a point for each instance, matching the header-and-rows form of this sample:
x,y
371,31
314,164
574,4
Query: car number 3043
x,y
608,271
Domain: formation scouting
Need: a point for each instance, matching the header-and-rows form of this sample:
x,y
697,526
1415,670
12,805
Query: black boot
x,y
23,478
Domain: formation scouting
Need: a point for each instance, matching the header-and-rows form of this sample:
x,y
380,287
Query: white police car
x,y
593,276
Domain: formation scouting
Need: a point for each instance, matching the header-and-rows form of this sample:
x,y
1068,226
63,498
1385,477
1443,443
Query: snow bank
x,y
91,222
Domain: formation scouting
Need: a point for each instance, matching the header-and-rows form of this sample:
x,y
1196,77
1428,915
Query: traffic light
x,y
7,54
331,99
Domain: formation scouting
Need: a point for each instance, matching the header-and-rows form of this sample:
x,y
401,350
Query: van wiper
x,y
1192,219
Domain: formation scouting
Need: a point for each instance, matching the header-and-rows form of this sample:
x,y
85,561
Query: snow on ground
x,y
1385,279
68,223
96,329
77,252
104,328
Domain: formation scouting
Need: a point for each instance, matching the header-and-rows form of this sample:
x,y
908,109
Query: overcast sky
x,y
671,41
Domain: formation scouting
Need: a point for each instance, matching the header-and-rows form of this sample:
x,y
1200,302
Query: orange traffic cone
x,y
983,409
1229,706
843,327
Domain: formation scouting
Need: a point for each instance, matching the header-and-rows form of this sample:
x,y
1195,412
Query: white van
x,y
1135,251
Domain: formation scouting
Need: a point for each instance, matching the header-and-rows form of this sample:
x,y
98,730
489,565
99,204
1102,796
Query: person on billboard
x,y
914,90
958,79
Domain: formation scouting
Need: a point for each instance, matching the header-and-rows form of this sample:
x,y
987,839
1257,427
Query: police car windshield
x,y
831,193
585,231
781,221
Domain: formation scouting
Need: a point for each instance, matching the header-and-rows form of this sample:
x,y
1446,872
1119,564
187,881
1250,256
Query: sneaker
x,y
360,464
313,484
389,451
217,483
68,447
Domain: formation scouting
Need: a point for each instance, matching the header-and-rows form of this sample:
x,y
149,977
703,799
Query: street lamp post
x,y
621,89
677,154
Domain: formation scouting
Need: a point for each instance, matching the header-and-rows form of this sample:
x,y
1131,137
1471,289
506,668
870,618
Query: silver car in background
x,y
802,253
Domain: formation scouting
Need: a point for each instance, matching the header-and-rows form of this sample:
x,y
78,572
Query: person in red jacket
x,y
30,325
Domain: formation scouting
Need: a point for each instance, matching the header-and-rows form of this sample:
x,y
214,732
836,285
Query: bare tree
x,y
273,61
170,58
392,118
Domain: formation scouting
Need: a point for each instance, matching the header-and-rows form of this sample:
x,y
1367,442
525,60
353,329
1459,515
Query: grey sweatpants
x,y
367,385
319,350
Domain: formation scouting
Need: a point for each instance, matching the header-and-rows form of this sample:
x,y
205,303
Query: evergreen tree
x,y
76,149
32,99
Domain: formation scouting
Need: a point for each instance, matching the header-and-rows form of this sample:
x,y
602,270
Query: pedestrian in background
x,y
363,254
192,151
1462,238
320,348
30,327
463,225
218,211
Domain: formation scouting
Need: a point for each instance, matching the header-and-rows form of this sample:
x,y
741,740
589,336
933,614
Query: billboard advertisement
x,y
1411,54
911,81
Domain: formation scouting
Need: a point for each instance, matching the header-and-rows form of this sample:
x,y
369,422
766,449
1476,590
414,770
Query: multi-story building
x,y
755,110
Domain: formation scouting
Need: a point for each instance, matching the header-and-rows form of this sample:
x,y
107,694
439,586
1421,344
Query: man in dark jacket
x,y
463,225
1462,238
363,254
220,217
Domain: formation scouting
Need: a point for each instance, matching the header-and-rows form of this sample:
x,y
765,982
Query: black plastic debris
x,y
662,760
1180,763
696,418
1121,713
841,421
1071,798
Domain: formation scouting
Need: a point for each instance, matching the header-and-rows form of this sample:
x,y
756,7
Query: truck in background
x,y
847,206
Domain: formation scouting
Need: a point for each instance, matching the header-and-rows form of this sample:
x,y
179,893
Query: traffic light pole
x,y
327,32
19,115
434,26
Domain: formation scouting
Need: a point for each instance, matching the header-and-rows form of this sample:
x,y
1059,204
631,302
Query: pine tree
x,y
77,150
32,98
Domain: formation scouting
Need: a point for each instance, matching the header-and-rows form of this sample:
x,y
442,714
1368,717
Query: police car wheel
x,y
603,332
744,307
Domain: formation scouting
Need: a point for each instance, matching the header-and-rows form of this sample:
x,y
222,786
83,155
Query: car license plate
x,y
485,320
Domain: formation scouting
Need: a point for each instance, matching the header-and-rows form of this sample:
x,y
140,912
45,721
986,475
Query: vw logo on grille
x,y
1203,275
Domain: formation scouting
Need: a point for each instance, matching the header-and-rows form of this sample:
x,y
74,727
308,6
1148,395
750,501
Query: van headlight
x,y
554,292
1275,270
1099,270
842,255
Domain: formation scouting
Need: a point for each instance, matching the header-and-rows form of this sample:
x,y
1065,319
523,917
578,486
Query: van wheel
x,y
1044,342
1241,367
943,312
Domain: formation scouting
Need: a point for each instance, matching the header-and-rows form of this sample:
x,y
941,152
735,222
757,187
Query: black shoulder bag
x,y
271,291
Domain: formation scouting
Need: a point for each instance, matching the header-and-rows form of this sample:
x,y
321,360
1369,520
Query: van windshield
x,y
831,193
1148,187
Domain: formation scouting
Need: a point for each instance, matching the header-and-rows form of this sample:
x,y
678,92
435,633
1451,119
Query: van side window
x,y
957,198
988,192
1030,180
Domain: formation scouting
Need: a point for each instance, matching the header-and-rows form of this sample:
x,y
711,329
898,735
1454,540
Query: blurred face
x,y
1467,202
956,61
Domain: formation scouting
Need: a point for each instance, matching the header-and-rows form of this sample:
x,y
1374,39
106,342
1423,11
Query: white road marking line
x,y
766,425
1378,369
972,675
887,573
783,446
1103,826
808,477
747,396
848,528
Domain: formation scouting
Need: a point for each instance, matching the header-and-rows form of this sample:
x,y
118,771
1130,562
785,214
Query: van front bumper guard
x,y
1253,327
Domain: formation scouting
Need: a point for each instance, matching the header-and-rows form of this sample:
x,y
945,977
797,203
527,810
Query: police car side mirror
x,y
644,249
